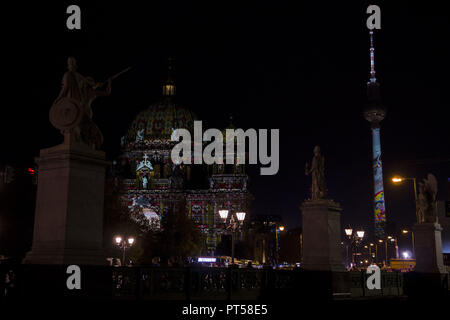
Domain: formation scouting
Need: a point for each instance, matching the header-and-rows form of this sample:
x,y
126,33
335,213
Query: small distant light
x,y
397,179
406,254
206,259
118,240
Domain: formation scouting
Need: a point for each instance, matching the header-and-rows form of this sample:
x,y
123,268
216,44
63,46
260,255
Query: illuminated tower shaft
x,y
374,113
379,205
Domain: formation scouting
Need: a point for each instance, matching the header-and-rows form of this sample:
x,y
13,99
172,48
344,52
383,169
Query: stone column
x,y
428,248
68,227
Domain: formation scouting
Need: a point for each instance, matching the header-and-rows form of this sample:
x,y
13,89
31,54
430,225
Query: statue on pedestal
x,y
317,172
72,113
428,235
426,202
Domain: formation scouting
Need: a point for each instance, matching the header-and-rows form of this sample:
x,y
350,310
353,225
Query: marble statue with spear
x,y
71,112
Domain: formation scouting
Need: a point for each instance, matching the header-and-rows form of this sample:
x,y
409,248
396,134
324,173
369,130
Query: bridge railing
x,y
391,284
192,283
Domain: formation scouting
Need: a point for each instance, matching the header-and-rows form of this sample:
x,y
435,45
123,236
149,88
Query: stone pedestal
x,y
428,248
68,226
321,225
322,252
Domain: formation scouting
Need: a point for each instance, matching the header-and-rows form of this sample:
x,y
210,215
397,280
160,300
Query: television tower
x,y
374,112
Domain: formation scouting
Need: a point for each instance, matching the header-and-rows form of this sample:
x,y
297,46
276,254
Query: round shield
x,y
65,114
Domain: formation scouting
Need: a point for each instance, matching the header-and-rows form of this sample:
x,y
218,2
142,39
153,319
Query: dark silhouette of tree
x,y
180,236
118,220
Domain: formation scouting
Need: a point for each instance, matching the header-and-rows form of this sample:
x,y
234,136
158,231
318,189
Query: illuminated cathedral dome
x,y
156,123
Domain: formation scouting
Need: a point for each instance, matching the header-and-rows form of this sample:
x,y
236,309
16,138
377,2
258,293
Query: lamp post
x,y
348,232
354,237
393,239
379,241
277,229
385,248
385,252
405,232
232,227
401,179
370,252
360,236
124,245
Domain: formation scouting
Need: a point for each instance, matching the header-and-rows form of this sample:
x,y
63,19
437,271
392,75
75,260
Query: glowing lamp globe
x,y
240,216
223,214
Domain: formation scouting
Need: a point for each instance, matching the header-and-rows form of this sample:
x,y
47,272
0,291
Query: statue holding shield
x,y
71,112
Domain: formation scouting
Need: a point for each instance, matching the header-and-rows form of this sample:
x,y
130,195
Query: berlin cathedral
x,y
152,183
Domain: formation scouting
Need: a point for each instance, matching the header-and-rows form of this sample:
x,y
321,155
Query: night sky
x,y
301,69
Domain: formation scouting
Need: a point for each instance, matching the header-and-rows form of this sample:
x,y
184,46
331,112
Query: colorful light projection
x,y
379,205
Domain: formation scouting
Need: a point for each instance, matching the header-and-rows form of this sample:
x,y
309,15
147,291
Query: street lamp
x,y
394,240
277,229
360,234
124,245
376,250
223,214
405,232
370,252
232,227
240,216
352,237
348,232
385,248
400,180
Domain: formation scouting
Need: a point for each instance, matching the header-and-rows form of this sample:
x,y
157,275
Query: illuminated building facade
x,y
374,112
152,183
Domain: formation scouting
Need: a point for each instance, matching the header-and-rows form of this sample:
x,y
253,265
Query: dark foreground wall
x,y
201,283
